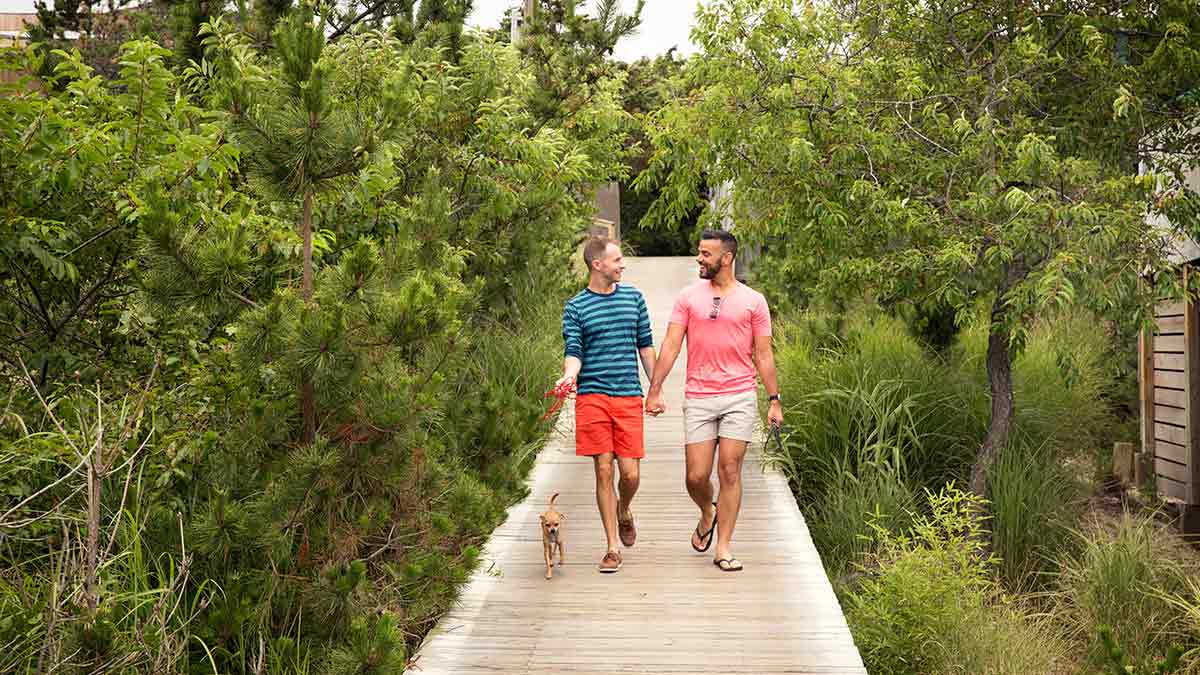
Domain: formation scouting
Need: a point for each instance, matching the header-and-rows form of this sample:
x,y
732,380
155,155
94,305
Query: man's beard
x,y
709,272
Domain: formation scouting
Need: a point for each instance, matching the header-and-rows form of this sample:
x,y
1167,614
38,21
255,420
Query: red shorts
x,y
606,423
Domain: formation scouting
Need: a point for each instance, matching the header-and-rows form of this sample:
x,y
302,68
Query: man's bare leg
x,y
606,497
730,457
698,458
631,478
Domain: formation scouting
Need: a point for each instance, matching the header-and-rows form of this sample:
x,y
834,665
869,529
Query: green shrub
x,y
928,604
1124,579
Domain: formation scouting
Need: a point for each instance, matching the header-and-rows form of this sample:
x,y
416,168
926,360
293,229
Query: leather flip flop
x,y
709,536
727,564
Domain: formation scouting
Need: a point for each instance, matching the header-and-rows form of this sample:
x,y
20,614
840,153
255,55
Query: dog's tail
x,y
552,498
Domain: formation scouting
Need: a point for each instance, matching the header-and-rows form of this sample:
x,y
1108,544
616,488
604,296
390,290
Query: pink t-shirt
x,y
719,351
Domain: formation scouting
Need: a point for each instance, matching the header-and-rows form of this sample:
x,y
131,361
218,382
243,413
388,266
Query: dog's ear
x,y
542,517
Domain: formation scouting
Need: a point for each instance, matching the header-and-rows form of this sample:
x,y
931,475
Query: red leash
x,y
560,393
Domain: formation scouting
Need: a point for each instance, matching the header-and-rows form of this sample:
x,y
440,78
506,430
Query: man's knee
x,y
729,472
631,475
696,479
604,469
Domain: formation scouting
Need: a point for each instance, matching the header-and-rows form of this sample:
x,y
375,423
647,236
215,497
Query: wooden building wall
x,y
12,26
1170,391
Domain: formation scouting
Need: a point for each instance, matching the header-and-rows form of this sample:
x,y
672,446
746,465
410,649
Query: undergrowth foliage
x,y
929,603
369,222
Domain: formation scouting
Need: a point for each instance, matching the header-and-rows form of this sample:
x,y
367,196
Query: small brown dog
x,y
552,536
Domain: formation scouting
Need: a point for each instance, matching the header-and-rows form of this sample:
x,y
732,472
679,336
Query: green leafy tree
x,y
68,231
650,83
956,152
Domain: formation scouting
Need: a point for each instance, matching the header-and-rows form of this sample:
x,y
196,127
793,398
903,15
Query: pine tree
x,y
570,51
297,141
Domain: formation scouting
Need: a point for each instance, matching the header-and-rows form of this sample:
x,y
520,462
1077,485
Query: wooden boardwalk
x,y
668,610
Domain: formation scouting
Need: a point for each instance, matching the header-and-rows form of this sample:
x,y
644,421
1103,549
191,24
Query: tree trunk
x,y
306,279
308,412
999,368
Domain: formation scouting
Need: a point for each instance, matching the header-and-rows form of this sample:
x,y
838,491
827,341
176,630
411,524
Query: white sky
x,y
665,23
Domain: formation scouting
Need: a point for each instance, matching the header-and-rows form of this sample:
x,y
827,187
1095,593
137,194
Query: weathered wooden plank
x,y
1174,434
1168,325
1172,489
1168,361
1171,415
1171,397
1168,343
1122,459
1169,308
1172,470
1172,452
668,610
1191,337
1170,379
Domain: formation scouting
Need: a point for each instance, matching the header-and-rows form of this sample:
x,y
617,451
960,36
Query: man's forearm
x,y
648,361
766,371
663,367
571,367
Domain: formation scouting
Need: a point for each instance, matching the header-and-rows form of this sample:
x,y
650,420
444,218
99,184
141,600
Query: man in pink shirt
x,y
728,329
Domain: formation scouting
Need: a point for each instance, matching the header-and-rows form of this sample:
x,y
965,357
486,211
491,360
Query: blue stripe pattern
x,y
605,332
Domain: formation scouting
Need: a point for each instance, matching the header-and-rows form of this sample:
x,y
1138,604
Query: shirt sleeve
x,y
645,337
681,311
572,333
760,318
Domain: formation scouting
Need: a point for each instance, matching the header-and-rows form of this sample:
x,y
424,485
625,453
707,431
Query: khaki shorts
x,y
733,416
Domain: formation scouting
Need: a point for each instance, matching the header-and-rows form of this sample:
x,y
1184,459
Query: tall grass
x,y
495,420
1124,579
1058,382
878,417
1032,511
873,422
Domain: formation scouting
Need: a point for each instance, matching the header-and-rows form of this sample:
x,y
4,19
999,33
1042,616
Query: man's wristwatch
x,y
774,397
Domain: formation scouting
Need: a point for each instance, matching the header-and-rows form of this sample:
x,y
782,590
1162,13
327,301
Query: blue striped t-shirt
x,y
605,332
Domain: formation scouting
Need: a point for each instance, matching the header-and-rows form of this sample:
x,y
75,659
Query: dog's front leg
x,y
547,550
560,552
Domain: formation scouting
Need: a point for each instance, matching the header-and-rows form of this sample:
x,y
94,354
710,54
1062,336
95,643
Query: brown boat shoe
x,y
611,562
626,531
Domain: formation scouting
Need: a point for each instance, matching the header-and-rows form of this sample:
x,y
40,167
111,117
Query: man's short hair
x,y
728,241
595,248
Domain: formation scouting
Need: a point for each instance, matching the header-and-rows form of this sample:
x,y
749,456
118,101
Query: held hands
x,y
655,405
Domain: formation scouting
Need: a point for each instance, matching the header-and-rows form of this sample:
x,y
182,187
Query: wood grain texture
x,y
668,610
1168,343
1191,337
1170,379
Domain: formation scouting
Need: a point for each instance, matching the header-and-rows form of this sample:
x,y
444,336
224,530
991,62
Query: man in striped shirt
x,y
606,328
